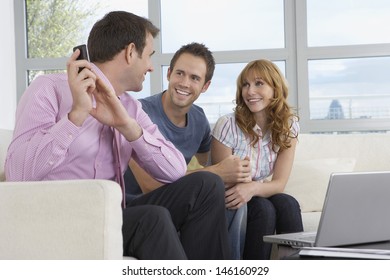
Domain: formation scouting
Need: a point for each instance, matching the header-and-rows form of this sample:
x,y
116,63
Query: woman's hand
x,y
239,194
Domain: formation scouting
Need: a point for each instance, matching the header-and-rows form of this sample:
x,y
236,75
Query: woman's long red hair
x,y
279,112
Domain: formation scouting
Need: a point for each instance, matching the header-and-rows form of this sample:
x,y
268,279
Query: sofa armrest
x,y
5,140
74,219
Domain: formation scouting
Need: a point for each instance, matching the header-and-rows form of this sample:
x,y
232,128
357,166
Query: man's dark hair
x,y
199,50
115,31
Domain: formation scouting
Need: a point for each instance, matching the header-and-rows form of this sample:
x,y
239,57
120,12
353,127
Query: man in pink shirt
x,y
68,125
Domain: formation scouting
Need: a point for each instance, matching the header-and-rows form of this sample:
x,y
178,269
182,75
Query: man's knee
x,y
146,216
157,214
202,182
210,180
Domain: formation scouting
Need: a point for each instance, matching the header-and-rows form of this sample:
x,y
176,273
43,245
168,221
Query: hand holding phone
x,y
83,54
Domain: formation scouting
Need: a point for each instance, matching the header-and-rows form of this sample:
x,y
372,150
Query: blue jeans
x,y
236,222
279,213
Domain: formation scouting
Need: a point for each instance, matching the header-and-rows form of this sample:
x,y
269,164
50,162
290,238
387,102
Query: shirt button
x,y
70,136
51,162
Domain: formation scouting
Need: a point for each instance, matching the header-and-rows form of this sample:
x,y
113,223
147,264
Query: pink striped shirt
x,y
47,146
262,156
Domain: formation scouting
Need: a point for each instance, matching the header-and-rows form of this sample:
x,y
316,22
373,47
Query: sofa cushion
x,y
309,179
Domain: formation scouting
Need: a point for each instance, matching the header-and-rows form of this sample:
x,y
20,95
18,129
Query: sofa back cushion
x,y
371,150
319,155
309,179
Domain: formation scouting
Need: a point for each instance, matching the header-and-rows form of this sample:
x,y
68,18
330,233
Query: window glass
x,y
222,25
349,88
220,97
55,26
345,22
32,74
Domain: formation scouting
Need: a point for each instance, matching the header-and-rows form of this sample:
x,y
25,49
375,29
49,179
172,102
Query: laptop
x,y
355,211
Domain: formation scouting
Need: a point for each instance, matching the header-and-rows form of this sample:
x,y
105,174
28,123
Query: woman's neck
x,y
262,121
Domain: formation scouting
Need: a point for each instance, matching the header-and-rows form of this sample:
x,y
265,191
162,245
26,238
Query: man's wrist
x,y
214,169
77,118
132,131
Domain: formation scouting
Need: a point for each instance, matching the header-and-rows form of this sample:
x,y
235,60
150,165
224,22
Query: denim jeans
x,y
236,221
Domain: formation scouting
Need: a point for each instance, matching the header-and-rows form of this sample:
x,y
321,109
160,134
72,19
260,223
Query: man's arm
x,y
203,158
37,150
231,169
150,149
146,182
43,134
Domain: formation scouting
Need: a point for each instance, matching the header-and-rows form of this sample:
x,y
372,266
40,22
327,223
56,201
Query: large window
x,y
343,61
335,54
54,27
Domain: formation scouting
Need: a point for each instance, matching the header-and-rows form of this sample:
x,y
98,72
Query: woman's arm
x,y
282,170
243,192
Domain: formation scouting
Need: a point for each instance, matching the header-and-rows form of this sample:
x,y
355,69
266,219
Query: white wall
x,y
7,67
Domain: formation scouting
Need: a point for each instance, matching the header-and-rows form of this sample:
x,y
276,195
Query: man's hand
x,y
110,111
81,85
86,89
234,170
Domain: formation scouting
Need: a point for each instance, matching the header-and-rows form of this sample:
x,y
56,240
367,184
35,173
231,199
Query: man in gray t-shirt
x,y
186,126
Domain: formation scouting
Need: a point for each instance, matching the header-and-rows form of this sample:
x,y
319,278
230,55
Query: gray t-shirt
x,y
194,138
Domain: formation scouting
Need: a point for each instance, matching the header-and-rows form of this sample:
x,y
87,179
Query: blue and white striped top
x,y
262,156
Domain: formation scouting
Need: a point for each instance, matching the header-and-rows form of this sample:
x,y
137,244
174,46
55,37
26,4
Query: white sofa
x,y
65,220
318,155
74,219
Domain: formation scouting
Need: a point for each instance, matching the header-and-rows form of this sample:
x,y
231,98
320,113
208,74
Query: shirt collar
x,y
267,137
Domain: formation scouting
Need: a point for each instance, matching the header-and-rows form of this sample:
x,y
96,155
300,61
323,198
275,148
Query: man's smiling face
x,y
186,80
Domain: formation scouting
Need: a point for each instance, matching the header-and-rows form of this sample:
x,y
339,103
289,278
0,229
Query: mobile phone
x,y
83,53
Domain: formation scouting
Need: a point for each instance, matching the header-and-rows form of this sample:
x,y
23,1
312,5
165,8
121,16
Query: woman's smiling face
x,y
256,93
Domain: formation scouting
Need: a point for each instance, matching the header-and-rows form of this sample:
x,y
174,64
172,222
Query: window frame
x,y
296,55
